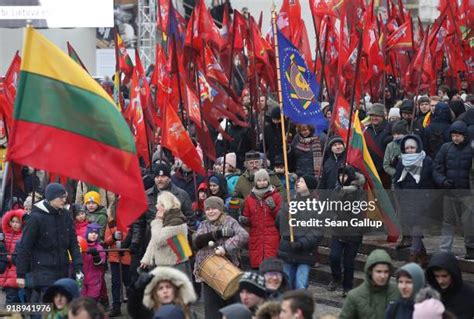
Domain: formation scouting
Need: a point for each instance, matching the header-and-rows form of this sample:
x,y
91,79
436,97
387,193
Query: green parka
x,y
369,301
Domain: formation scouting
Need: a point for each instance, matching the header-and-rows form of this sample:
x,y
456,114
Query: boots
x,y
115,312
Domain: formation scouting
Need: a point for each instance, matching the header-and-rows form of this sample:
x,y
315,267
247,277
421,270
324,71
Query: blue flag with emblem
x,y
299,87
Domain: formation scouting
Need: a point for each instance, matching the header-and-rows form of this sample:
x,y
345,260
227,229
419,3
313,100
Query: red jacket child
x,y
11,224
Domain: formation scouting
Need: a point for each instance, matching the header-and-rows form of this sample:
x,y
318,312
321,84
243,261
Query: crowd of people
x,y
59,241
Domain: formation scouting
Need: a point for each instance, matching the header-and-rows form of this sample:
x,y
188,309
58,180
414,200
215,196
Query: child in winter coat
x,y
95,212
12,224
260,210
94,260
60,294
80,219
198,205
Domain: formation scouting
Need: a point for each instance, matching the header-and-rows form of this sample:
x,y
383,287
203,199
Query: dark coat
x,y
185,181
377,138
437,132
458,297
48,238
453,162
273,142
309,241
400,309
468,118
302,163
330,168
263,235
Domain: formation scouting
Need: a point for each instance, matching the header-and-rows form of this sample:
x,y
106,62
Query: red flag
x,y
124,62
213,68
320,8
340,118
136,119
176,139
202,29
145,92
402,38
9,85
192,103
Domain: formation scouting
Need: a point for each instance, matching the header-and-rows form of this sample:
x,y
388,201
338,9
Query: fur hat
x,y
162,170
92,196
214,202
253,283
268,310
310,181
53,191
185,288
377,109
262,174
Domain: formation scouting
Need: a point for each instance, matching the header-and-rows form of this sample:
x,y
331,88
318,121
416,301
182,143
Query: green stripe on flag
x,y
64,106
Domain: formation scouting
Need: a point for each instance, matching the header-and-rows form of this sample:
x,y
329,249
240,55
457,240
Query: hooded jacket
x,y
403,308
437,132
458,297
331,165
8,278
369,301
453,161
48,239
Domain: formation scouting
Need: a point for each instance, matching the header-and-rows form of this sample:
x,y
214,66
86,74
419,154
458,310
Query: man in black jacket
x,y
443,274
48,239
451,169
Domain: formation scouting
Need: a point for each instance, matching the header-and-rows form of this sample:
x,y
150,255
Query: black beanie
x,y
275,113
253,283
162,170
53,191
310,181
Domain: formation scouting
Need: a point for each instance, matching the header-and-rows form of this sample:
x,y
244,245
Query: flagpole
x,y
420,75
282,119
323,60
359,49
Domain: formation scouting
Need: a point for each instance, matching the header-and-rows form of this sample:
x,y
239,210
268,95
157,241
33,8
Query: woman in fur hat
x,y
221,235
169,223
169,286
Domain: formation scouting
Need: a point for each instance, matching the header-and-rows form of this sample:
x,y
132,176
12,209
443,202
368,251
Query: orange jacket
x,y
114,257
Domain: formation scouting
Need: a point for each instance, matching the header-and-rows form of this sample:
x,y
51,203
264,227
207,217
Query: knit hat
x,y
253,283
169,312
214,202
411,142
53,191
310,181
271,264
262,174
275,113
394,112
252,155
92,228
400,127
236,311
92,196
162,170
214,179
407,106
76,209
231,159
334,139
278,160
430,308
377,109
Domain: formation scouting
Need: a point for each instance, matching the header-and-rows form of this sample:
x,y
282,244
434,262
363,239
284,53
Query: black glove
x,y
143,280
296,246
448,184
243,220
93,251
227,232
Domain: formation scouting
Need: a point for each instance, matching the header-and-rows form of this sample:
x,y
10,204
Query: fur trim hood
x,y
8,216
177,278
268,310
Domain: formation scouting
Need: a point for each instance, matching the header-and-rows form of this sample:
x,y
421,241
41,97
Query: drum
x,y
221,275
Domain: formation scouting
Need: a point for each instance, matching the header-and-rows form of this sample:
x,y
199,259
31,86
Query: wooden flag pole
x,y
283,135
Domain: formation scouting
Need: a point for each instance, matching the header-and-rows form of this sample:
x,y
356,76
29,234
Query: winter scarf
x,y
174,217
412,163
260,192
311,144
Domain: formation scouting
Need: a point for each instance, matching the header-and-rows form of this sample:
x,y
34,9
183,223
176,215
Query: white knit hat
x,y
394,112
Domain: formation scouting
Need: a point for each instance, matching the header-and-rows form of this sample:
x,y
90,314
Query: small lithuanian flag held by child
x,y
180,246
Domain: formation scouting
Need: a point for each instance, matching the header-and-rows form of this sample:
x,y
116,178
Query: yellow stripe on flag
x,y
185,245
50,61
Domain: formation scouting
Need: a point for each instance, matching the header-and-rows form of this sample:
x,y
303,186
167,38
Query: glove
x,y
143,280
227,232
117,235
296,246
448,184
243,220
79,279
270,202
93,251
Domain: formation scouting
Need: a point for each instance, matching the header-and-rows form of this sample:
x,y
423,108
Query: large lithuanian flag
x,y
65,123
358,156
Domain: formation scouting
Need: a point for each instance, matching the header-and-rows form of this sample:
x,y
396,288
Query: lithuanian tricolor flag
x,y
180,246
358,156
65,123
